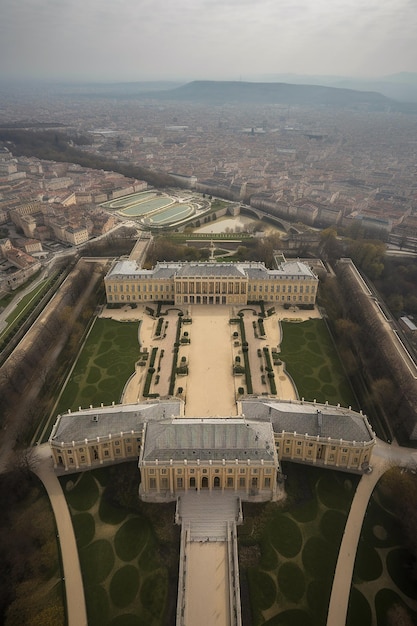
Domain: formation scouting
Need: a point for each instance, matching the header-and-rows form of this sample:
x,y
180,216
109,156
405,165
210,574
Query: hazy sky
x,y
208,39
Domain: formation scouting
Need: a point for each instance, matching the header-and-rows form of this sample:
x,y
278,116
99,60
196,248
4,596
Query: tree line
x,y
58,146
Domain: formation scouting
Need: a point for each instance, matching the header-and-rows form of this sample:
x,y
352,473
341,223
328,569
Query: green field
x,y
382,577
128,550
312,361
297,542
104,365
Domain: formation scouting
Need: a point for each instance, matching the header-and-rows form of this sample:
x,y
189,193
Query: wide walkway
x,y
74,590
207,568
210,388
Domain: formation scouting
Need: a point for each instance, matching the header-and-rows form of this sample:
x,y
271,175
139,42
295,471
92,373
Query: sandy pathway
x,y
210,385
74,589
207,598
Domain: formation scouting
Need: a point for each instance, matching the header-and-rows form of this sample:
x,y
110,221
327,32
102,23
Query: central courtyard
x,y
209,387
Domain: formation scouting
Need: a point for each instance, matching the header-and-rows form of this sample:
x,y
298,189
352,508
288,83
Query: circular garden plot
x,y
285,536
400,565
359,611
85,494
332,525
316,556
84,528
318,595
110,514
97,561
291,581
131,538
369,565
124,586
97,604
263,587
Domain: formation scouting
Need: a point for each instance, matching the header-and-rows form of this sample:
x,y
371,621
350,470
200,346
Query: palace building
x,y
292,283
234,454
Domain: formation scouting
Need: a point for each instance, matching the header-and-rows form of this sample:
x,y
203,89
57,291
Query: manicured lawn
x,y
304,532
127,568
103,367
311,359
382,575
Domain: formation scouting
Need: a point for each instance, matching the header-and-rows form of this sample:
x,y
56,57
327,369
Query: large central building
x,y
292,283
233,454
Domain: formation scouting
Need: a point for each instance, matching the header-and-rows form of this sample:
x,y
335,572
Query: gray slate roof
x,y
100,422
214,439
313,419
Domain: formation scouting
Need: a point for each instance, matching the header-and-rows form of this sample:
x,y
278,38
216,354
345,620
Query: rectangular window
x,y
152,483
267,482
164,483
230,481
242,482
179,483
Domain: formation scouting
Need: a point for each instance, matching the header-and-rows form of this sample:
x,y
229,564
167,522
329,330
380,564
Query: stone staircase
x,y
206,514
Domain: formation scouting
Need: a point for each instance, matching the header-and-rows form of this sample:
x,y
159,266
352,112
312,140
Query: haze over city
x,y
125,40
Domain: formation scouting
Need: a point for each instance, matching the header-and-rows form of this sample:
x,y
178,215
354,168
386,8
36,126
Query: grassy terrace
x,y
128,550
104,365
288,552
382,584
313,363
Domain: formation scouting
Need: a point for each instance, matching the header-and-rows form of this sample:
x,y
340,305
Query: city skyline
x,y
234,40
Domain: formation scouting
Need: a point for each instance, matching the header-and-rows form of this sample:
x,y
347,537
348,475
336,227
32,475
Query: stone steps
x,y
207,514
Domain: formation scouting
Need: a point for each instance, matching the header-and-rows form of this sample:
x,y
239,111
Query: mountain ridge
x,y
222,92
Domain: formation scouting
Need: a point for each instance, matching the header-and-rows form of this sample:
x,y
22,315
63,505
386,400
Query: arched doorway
x,y
204,482
192,481
216,482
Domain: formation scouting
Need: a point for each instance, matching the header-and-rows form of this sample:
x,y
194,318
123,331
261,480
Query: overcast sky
x,y
123,40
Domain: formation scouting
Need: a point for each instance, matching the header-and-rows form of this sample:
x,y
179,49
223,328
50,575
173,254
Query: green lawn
x,y
103,366
312,361
128,557
382,577
298,542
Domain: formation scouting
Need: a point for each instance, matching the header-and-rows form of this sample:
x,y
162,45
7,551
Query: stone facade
x,y
241,454
293,283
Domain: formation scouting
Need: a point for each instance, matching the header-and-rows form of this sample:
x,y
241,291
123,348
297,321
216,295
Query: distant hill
x,y
401,86
220,92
